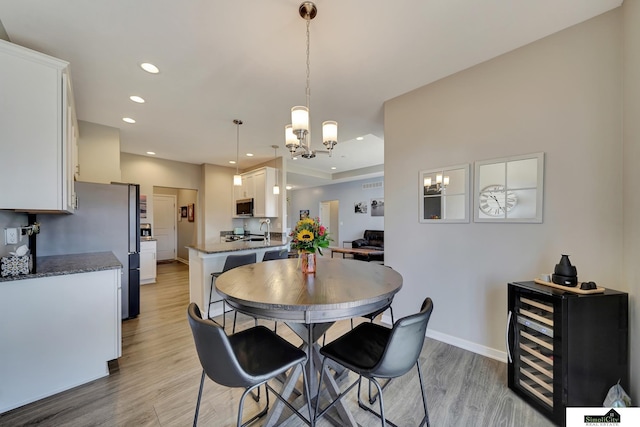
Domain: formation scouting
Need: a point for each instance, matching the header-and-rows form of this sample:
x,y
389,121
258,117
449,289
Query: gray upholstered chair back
x,y
234,261
277,254
405,343
215,352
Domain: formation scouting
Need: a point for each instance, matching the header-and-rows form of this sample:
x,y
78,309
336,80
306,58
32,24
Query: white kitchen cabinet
x,y
38,130
57,332
258,185
148,249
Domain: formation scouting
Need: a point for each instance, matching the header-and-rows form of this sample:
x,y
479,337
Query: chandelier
x,y
441,183
297,134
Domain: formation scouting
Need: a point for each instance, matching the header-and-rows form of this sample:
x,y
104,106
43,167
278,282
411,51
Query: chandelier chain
x,y
308,91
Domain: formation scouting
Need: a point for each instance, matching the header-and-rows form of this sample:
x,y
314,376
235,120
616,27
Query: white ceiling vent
x,y
372,185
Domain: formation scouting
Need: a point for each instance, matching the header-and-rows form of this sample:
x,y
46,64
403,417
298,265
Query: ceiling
x,y
220,60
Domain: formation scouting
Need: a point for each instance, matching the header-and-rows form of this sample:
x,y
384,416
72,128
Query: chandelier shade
x,y
300,120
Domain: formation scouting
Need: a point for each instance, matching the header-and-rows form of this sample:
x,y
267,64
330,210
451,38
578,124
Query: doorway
x,y
164,226
330,218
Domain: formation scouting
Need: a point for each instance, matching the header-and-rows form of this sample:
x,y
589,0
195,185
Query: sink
x,y
255,239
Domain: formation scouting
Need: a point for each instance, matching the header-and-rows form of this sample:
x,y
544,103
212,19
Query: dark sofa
x,y
372,239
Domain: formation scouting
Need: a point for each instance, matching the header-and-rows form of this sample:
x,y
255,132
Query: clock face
x,y
495,200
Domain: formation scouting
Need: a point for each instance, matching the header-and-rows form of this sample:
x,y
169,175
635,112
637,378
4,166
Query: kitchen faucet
x,y
267,234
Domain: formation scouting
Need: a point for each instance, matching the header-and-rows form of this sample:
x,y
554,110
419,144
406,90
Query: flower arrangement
x,y
309,235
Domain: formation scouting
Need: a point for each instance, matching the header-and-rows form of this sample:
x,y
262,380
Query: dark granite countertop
x,y
57,265
240,245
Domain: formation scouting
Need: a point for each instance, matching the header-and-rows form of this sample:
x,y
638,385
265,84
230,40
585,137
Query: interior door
x,y
164,226
329,218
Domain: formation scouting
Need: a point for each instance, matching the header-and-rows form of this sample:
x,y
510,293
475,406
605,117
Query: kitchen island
x,y
210,258
59,326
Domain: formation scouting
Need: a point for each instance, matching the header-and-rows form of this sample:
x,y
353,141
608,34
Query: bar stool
x,y
270,256
231,361
373,351
232,261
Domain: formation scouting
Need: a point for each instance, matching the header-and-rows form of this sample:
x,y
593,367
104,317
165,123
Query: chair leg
x,y
311,420
235,316
195,417
372,400
425,420
380,415
337,399
241,408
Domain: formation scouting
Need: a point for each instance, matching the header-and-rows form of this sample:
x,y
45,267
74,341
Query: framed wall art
x,y
509,189
444,194
191,212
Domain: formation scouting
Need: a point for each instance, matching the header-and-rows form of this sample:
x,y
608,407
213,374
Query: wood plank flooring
x,y
155,382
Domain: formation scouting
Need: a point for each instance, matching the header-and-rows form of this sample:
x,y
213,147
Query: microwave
x,y
244,207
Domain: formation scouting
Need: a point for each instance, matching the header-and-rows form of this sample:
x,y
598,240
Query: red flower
x,y
322,230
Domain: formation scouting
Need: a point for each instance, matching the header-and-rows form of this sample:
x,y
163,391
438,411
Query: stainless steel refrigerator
x,y
107,219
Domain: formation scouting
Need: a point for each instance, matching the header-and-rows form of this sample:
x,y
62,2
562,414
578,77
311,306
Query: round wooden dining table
x,y
309,304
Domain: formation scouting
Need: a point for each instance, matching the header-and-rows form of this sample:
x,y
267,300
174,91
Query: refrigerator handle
x,y
507,336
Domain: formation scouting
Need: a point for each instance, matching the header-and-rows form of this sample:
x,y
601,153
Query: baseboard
x,y
482,350
182,260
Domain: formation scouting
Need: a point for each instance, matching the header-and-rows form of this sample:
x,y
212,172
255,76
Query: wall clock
x,y
495,201
509,189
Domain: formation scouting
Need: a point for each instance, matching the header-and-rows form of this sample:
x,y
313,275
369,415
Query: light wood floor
x,y
155,382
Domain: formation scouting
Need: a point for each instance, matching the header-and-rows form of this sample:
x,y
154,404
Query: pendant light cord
x,y
238,122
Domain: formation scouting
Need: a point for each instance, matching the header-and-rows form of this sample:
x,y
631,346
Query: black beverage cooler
x,y
565,349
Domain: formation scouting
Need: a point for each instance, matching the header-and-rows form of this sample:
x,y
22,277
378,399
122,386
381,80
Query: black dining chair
x,y
374,351
232,261
247,359
276,254
271,256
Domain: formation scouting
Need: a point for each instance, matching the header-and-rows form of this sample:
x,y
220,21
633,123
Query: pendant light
x,y
297,134
276,188
237,178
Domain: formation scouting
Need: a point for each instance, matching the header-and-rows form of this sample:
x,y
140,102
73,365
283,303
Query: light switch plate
x,y
10,236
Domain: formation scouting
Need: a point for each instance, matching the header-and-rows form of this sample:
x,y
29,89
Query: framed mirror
x,y
444,194
509,189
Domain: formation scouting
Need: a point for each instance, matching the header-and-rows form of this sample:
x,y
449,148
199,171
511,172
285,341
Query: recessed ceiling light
x,y
149,68
295,158
136,98
233,162
289,187
360,138
128,120
249,154
333,168
153,153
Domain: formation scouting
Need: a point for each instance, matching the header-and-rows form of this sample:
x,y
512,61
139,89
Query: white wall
x,y
11,219
217,190
351,225
150,172
561,95
632,178
98,153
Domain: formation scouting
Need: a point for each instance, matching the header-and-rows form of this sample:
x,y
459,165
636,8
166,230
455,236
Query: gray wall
x,y
352,225
561,95
631,174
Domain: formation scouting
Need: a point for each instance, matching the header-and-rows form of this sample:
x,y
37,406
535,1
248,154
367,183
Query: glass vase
x,y
308,262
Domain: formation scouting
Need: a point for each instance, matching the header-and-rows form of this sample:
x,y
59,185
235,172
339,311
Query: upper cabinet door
x,y
36,110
